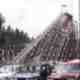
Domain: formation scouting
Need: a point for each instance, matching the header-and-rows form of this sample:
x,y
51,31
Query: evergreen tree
x,y
2,20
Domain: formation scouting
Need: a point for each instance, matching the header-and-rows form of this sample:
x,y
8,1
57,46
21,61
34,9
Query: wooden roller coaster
x,y
58,42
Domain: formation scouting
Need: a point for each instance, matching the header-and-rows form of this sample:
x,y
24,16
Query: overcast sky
x,y
33,16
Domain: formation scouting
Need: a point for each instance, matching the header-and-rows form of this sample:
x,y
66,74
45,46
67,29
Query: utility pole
x,y
79,14
78,27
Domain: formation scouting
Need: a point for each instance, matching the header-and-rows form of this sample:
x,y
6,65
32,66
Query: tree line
x,y
12,38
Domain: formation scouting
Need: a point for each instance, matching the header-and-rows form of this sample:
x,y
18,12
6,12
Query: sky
x,y
33,16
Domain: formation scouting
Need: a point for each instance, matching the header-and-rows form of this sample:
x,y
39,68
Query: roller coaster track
x,y
51,44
